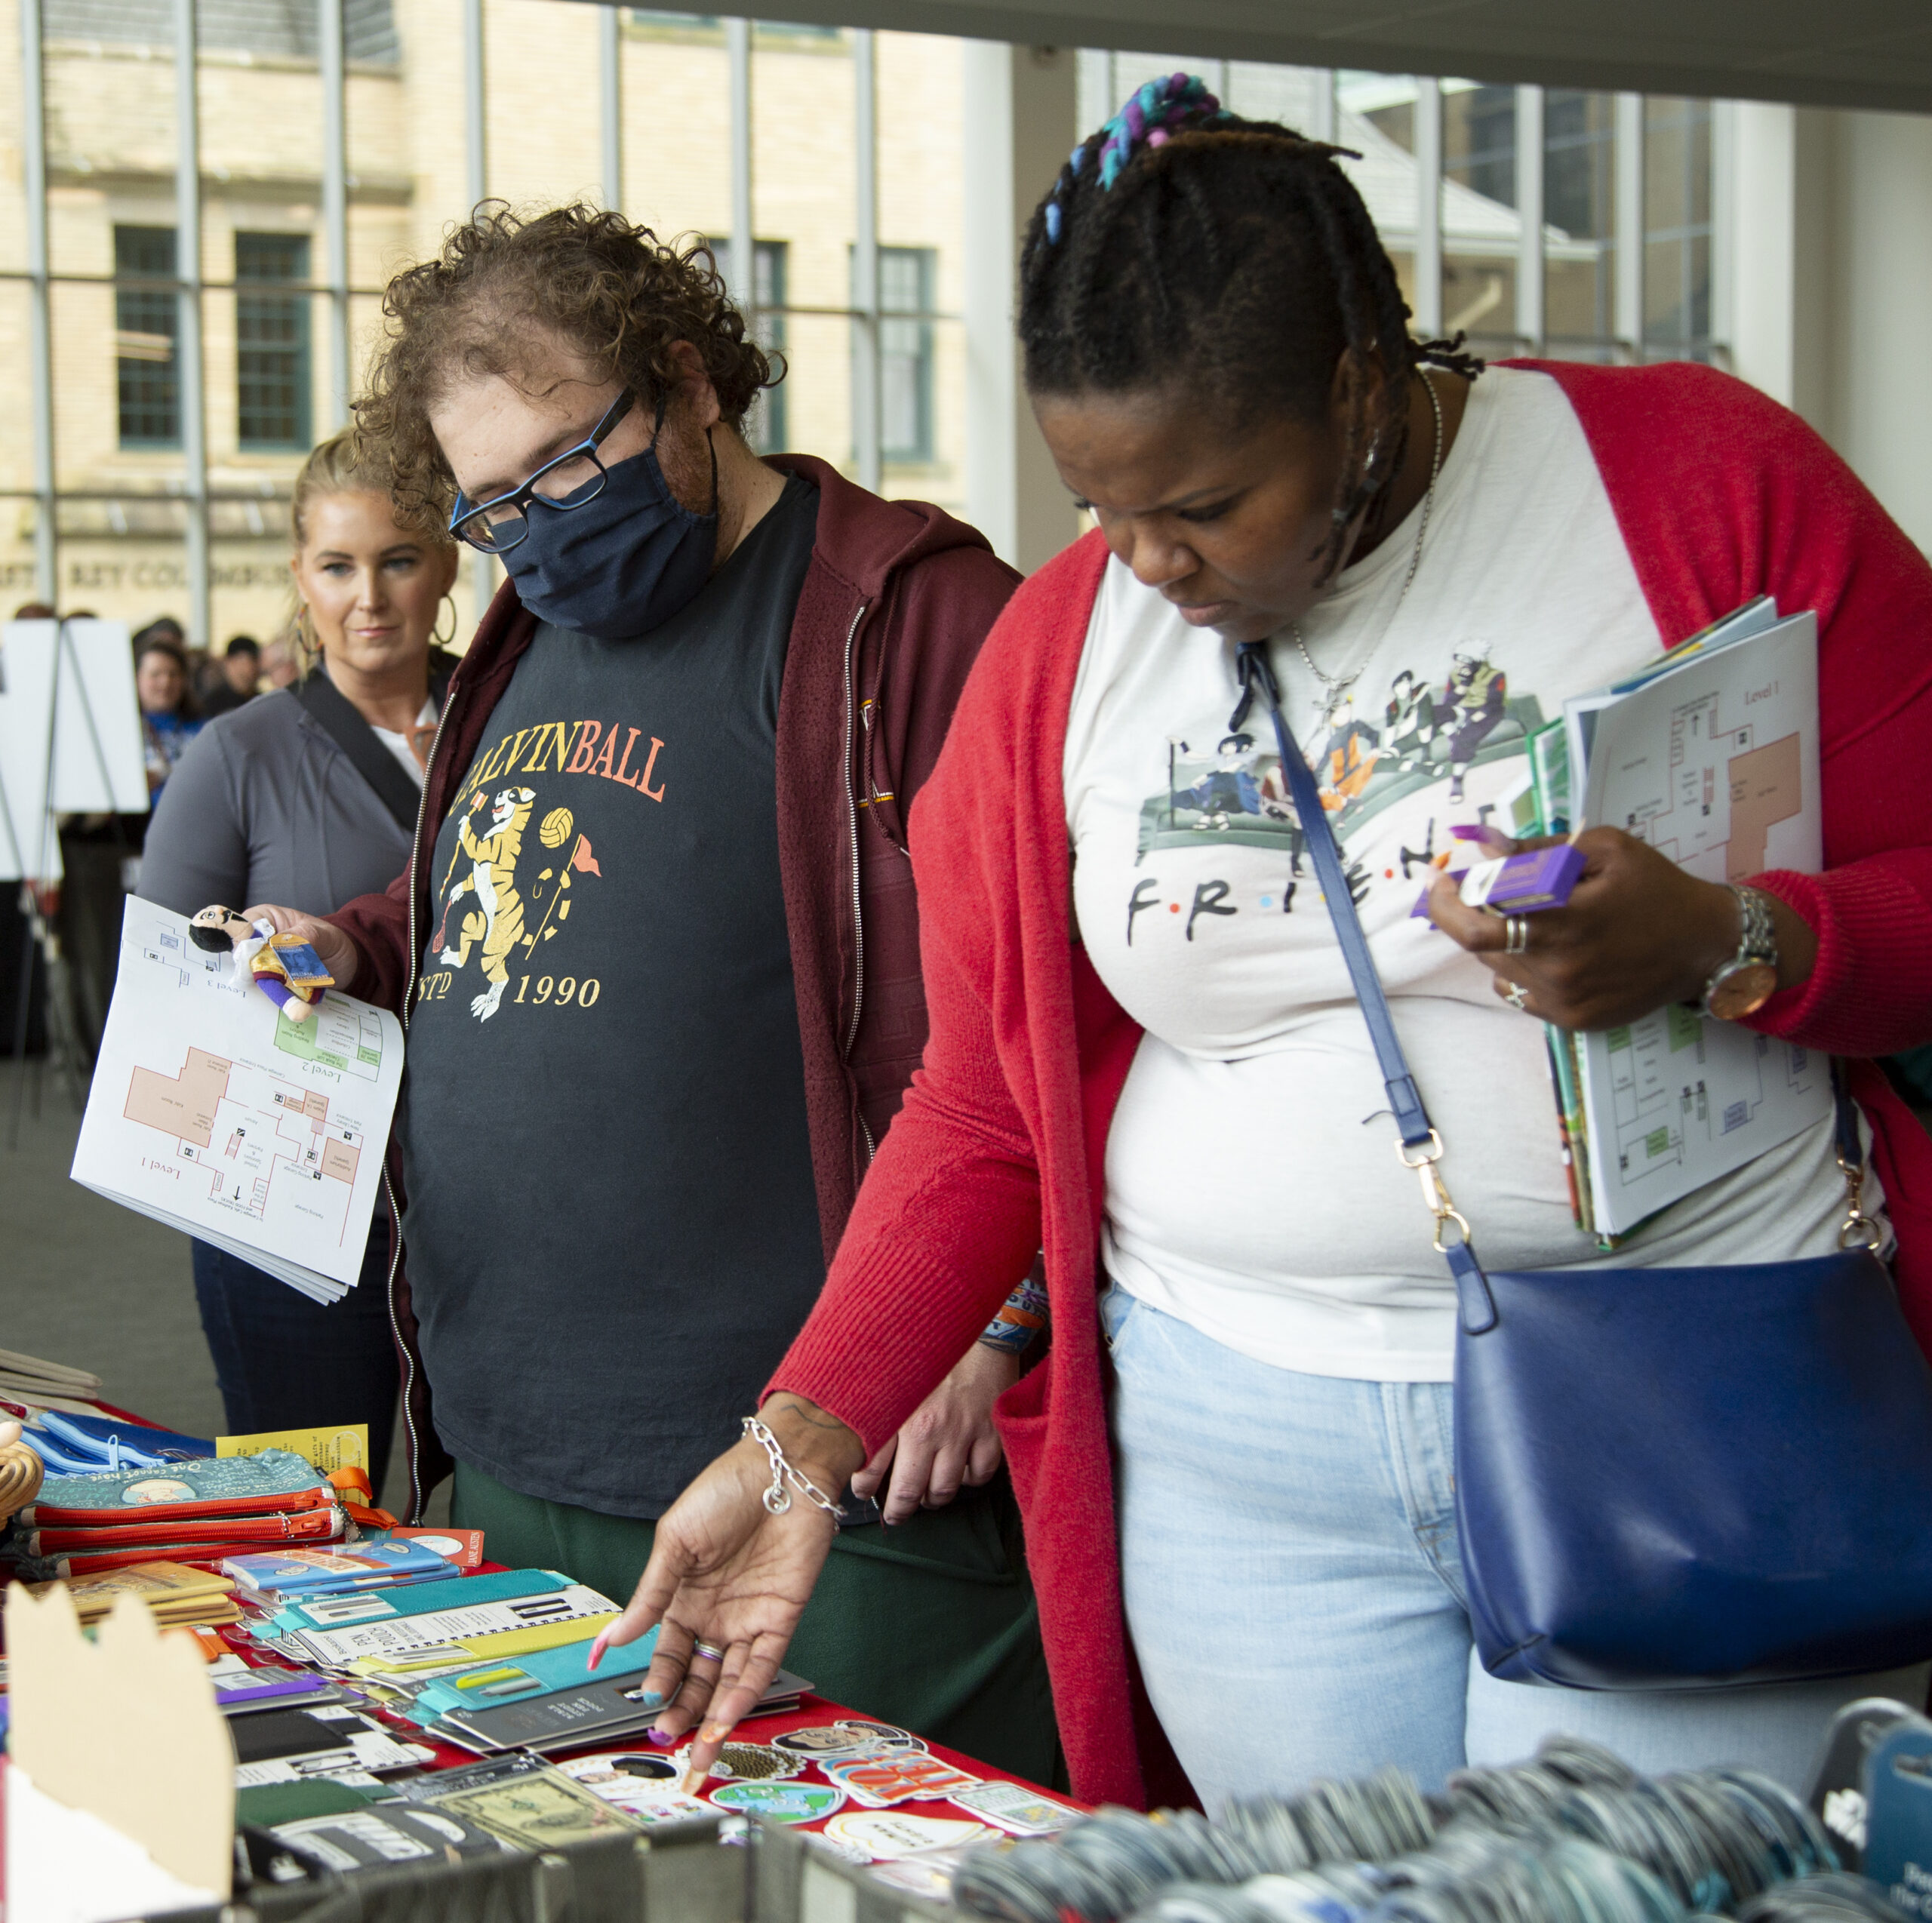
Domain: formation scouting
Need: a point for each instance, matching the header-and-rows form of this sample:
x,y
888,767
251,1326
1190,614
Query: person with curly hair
x,y
656,947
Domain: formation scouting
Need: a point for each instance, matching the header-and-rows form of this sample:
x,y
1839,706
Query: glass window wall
x,y
1515,276
334,141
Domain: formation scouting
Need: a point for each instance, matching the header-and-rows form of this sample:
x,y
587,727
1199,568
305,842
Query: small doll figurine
x,y
216,930
286,968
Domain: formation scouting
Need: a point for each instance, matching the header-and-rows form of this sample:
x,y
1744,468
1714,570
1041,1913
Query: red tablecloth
x,y
813,1712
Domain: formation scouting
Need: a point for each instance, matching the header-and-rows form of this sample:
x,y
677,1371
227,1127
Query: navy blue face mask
x,y
624,561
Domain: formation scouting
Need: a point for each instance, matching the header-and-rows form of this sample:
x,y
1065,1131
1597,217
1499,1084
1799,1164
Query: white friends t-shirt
x,y
1252,1188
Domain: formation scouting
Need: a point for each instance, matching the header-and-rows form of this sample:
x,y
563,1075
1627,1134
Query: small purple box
x,y
1521,884
1517,883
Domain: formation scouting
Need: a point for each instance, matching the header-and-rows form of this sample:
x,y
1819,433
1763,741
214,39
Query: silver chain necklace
x,y
1335,688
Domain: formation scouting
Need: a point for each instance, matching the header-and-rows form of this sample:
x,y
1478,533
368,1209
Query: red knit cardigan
x,y
1720,495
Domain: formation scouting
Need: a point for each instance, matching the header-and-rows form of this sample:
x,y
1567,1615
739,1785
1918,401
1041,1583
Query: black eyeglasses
x,y
574,477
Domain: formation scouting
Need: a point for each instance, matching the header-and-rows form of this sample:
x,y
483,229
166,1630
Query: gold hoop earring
x,y
436,634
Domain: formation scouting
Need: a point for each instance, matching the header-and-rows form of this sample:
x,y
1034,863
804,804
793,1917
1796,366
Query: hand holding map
x,y
214,1113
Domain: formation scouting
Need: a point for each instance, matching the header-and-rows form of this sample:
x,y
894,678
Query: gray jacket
x,y
265,807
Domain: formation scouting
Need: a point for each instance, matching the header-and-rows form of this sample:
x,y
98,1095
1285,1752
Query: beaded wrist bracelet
x,y
1023,1316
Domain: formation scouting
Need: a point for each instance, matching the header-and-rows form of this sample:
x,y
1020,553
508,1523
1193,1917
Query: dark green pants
x,y
931,1624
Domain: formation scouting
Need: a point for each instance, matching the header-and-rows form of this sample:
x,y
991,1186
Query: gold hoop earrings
x,y
435,634
307,646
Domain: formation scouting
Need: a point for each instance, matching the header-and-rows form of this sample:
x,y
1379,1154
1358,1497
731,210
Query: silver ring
x,y
1515,936
1518,997
709,1650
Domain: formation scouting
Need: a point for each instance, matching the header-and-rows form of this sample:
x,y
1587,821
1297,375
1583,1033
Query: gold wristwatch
x,y
1743,984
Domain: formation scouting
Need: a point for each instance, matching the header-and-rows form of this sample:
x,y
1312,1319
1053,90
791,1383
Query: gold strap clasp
x,y
1435,1196
1859,1231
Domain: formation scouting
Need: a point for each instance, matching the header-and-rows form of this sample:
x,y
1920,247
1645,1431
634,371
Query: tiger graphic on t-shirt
x,y
496,920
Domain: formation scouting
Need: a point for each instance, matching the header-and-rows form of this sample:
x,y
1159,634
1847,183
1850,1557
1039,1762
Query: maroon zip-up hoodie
x,y
896,602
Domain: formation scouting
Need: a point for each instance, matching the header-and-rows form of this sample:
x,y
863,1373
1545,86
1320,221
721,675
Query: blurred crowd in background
x,y
180,689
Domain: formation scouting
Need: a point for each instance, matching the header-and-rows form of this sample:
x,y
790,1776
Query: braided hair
x,y
1182,244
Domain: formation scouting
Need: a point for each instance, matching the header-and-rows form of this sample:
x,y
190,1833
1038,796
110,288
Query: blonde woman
x,y
308,795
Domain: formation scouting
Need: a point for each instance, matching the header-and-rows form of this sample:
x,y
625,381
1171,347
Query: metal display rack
x,y
684,1873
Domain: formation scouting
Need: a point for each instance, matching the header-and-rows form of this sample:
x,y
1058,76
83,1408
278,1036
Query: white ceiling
x,y
1826,53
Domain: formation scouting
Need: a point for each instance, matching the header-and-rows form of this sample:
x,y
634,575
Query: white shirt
x,y
398,744
1252,1188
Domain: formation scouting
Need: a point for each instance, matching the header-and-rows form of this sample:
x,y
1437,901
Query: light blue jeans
x,y
1295,1595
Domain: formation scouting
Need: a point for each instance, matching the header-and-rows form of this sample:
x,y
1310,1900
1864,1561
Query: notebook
x,y
1711,755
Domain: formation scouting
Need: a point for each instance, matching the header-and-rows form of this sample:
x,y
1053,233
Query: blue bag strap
x,y
1257,676
1405,1100
1421,1146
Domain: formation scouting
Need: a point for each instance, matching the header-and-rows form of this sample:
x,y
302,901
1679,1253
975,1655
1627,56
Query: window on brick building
x,y
271,341
147,380
764,426
286,29
906,352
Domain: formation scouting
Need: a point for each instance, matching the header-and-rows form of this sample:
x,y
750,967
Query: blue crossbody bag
x,y
1667,1478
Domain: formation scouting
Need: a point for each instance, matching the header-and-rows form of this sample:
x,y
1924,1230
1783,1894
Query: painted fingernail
x,y
694,1781
661,1735
716,1732
596,1655
650,1699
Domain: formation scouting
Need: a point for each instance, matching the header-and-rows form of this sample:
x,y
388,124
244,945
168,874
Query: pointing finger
x,y
748,1673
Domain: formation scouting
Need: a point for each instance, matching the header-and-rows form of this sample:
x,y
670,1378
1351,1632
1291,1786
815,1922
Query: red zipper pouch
x,y
174,1515
42,1569
322,1524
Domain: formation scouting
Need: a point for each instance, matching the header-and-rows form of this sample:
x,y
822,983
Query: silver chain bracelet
x,y
778,1499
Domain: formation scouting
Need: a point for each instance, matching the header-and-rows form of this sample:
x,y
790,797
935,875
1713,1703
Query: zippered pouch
x,y
215,1486
306,1525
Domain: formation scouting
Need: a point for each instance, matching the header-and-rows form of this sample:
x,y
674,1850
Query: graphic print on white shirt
x,y
1253,1187
1235,795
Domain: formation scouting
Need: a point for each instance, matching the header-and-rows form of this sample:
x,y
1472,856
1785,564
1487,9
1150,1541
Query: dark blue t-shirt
x,y
612,1227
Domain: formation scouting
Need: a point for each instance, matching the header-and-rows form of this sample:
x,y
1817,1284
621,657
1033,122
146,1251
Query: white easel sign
x,y
70,736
